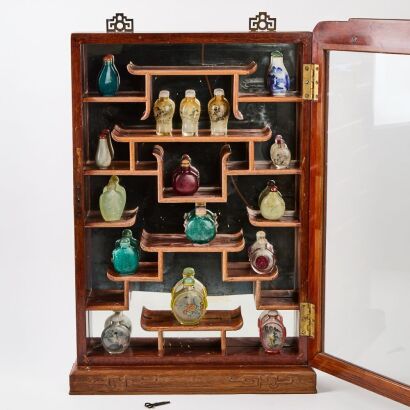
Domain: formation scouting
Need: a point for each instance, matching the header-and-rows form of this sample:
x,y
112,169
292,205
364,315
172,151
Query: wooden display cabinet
x,y
234,169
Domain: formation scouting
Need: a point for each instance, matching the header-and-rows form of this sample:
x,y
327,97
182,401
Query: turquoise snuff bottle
x,y
109,78
125,257
127,233
200,224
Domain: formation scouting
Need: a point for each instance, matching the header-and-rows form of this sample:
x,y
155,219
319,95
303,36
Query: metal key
x,y
160,403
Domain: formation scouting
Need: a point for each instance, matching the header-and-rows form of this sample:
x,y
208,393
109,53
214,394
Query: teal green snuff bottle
x,y
125,258
109,78
112,200
127,233
200,224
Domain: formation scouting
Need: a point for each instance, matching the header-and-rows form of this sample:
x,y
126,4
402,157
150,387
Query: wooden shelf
x,y
115,300
287,221
240,69
177,242
120,97
242,272
275,299
184,351
94,219
156,320
204,135
122,168
147,272
265,97
204,194
164,320
261,168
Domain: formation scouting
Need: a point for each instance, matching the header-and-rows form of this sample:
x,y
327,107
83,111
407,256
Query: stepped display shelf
x,y
257,167
204,194
271,299
208,70
123,168
119,97
108,299
289,220
146,272
214,320
94,219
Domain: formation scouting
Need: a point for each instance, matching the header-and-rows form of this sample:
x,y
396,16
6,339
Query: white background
x,y
37,344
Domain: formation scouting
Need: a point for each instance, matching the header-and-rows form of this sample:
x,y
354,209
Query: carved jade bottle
x,y
185,178
112,200
271,203
105,150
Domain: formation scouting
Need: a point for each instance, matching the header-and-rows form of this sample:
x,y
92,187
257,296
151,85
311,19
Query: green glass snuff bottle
x,y
200,224
125,257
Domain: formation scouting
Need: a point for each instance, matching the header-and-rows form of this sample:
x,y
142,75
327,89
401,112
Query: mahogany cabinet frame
x,y
246,371
360,35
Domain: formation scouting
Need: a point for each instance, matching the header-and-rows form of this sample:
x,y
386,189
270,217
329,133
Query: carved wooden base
x,y
190,380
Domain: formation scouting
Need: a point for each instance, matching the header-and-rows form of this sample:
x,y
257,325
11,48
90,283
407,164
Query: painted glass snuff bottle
x,y
125,256
109,78
200,224
272,332
271,203
278,78
189,299
164,109
190,109
112,200
279,153
218,110
262,255
116,335
105,150
185,178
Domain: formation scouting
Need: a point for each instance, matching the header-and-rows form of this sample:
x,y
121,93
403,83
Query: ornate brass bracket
x,y
119,24
262,22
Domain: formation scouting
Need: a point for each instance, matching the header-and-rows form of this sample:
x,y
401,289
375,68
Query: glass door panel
x,y
367,212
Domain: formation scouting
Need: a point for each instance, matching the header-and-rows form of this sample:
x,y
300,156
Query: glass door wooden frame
x,y
357,35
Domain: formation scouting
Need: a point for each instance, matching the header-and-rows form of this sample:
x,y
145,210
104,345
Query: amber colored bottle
x,y
185,178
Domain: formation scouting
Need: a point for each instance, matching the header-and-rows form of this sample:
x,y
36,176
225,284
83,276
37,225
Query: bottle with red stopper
x,y
185,178
262,255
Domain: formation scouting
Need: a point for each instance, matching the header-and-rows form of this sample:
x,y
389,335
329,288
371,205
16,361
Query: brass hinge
x,y
307,320
310,82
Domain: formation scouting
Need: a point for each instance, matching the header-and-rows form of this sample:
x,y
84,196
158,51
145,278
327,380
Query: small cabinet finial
x,y
119,24
262,22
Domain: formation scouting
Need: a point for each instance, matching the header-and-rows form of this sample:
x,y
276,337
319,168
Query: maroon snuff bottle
x,y
185,178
